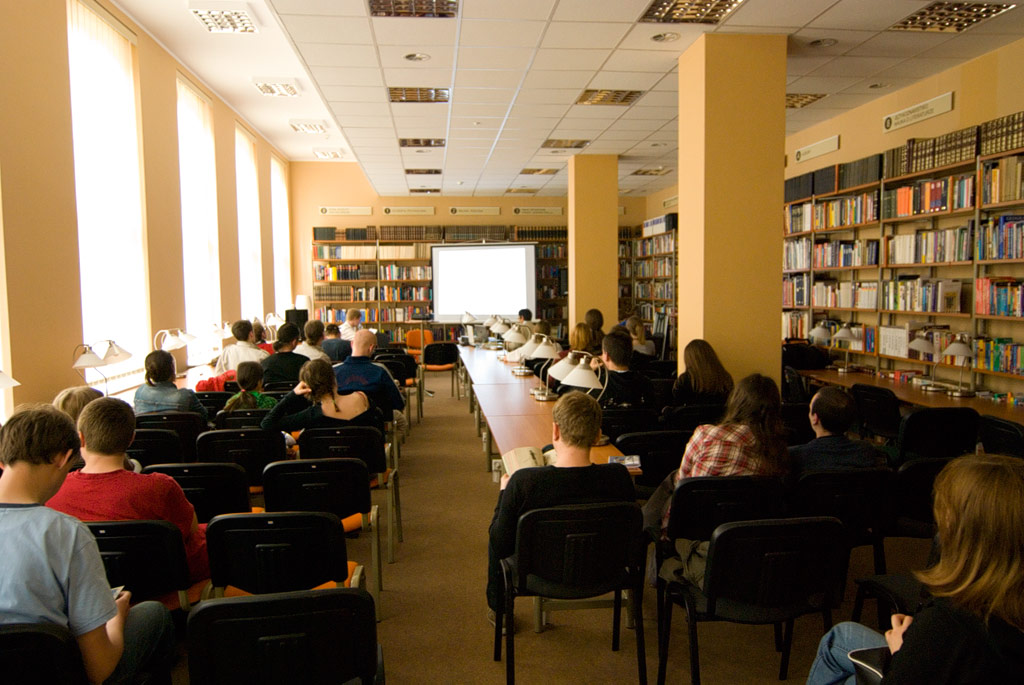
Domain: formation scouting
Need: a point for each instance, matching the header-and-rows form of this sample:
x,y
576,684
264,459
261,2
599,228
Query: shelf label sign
x,y
822,147
346,211
919,112
409,211
476,211
622,211
537,211
670,202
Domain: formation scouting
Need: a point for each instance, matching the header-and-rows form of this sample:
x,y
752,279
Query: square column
x,y
594,237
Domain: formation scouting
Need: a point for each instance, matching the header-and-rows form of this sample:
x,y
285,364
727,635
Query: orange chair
x,y
414,344
441,356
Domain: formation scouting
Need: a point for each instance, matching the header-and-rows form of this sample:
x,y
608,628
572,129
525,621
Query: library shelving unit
x,y
552,259
627,234
931,247
654,271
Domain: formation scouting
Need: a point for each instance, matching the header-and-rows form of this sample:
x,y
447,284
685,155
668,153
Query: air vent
x,y
422,171
688,11
609,97
442,9
424,191
308,125
421,142
521,191
539,172
950,17
659,171
418,94
798,100
217,18
277,87
565,143
328,153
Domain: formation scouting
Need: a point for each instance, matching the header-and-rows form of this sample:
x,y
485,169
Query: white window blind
x,y
250,253
282,236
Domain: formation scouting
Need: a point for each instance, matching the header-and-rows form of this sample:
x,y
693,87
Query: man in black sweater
x,y
624,389
831,414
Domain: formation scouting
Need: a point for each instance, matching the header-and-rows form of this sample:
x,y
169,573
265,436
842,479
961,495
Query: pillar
x,y
593,237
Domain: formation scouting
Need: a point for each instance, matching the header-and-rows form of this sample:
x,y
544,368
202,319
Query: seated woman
x,y
705,380
595,319
973,630
579,338
72,401
749,441
641,344
160,393
318,385
250,380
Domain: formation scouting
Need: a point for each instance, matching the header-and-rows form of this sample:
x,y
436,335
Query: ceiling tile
x,y
800,42
821,84
558,79
494,58
354,93
875,15
488,78
639,111
583,34
595,111
538,110
639,37
577,133
802,65
855,66
414,31
965,46
483,95
324,55
1010,23
659,98
415,127
635,136
668,83
344,8
379,132
892,85
463,109
515,122
916,68
584,123
625,80
633,125
846,100
899,44
493,123
366,109
341,30
547,96
348,76
418,78
356,121
641,60
608,10
393,56
426,110
552,59
500,34
520,9
777,12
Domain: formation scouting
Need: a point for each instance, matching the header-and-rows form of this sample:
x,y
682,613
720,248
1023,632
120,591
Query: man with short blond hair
x,y
244,349
348,330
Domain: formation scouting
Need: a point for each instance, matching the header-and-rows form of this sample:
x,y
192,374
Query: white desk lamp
x,y
583,377
545,350
88,359
959,348
820,334
846,334
922,344
6,381
171,340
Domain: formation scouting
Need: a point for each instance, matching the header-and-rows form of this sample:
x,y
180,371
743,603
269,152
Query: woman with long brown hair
x,y
318,385
705,380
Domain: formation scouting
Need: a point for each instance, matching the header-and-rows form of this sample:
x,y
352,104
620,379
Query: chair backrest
x,y
213,400
250,448
188,426
578,550
147,557
860,498
414,341
937,433
240,418
659,369
232,387
337,486
615,422
395,367
999,436
212,488
638,360
794,389
879,410
275,386
662,393
700,505
156,446
263,553
37,653
313,637
660,452
798,425
912,490
406,359
777,563
349,442
276,394
440,353
689,417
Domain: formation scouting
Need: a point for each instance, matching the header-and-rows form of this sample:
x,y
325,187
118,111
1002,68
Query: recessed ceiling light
x,y
438,9
419,94
459,183
424,191
308,125
417,57
421,142
656,171
422,171
876,86
328,152
522,191
688,11
666,37
539,172
823,43
277,87
565,143
422,151
223,17
657,144
950,17
799,100
623,98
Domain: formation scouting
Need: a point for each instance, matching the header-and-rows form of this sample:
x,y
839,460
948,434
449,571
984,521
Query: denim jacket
x,y
166,397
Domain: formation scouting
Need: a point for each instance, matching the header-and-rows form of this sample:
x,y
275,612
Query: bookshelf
x,y
654,270
627,234
552,257
923,239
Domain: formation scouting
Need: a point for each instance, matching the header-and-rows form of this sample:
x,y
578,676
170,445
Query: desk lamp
x,y
846,334
304,302
171,340
513,336
922,344
820,334
88,360
526,352
6,381
569,362
273,319
500,327
583,377
491,320
545,350
959,348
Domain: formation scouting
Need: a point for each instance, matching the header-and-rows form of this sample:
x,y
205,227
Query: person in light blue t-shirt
x,y
52,567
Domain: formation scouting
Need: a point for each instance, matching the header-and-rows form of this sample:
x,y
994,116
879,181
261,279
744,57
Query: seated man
x,y
336,348
310,347
832,413
284,364
244,349
624,389
347,330
52,571
573,479
104,491
359,373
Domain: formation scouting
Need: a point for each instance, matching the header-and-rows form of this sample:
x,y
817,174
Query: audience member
x,y
250,380
573,479
72,401
525,316
579,338
359,373
244,349
705,380
52,567
595,320
622,388
832,413
641,344
259,334
973,629
103,490
336,348
159,393
310,347
318,385
347,330
284,364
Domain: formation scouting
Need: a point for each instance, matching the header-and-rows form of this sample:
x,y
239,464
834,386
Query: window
x,y
282,236
108,191
250,252
198,171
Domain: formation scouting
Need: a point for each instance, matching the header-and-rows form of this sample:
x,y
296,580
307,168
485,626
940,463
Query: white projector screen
x,y
483,280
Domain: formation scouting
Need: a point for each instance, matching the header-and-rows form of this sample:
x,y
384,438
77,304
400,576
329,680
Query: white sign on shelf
x,y
919,112
822,147
346,211
409,211
476,211
670,201
537,211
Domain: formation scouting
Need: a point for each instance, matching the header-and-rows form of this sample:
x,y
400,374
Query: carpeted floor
x,y
435,629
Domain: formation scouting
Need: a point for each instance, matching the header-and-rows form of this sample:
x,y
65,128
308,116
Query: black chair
x,y
232,387
937,433
147,557
762,572
662,393
441,356
278,395
213,400
879,410
279,386
250,448
575,552
156,446
282,552
411,374
188,426
314,637
240,418
912,498
660,369
687,418
660,453
999,436
212,488
336,486
638,360
798,424
794,388
860,498
895,593
40,654
616,422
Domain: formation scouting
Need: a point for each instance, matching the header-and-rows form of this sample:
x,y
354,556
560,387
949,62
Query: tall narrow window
x,y
282,236
108,190
198,170
250,253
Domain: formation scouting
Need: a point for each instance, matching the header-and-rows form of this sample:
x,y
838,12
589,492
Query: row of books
x,y
329,315
625,249
414,251
660,244
838,253
405,293
794,290
345,293
1004,133
999,354
648,310
548,271
846,211
557,251
345,251
553,312
625,291
344,272
998,296
930,247
795,324
548,292
411,232
799,218
845,294
541,233
923,197
393,272
860,171
1001,238
400,314
1002,179
654,290
796,254
916,294
626,269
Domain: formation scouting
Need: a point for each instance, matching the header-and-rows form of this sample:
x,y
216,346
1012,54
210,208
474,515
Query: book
x,y
526,457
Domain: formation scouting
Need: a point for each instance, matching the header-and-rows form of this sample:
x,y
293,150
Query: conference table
x,y
511,417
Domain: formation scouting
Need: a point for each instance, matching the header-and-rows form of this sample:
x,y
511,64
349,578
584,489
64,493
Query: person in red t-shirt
x,y
104,491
